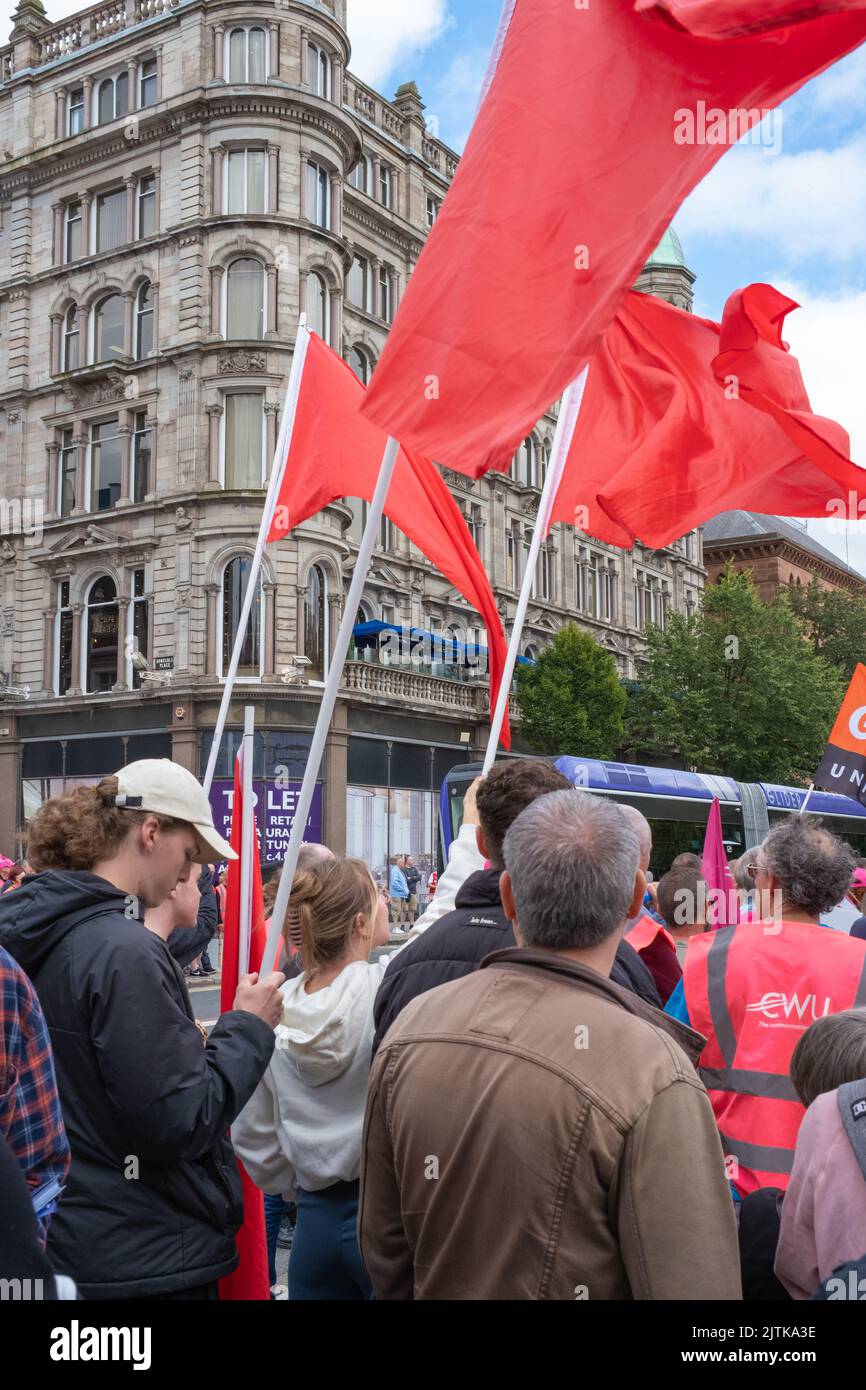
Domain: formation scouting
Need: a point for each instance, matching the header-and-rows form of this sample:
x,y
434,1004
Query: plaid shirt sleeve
x,y
30,1114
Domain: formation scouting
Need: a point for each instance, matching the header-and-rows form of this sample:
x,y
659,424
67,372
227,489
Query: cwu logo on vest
x,y
776,1006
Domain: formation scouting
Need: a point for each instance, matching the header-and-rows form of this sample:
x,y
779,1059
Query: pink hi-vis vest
x,y
753,989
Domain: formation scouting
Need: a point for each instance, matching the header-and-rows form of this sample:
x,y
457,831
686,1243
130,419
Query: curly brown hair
x,y
81,827
508,789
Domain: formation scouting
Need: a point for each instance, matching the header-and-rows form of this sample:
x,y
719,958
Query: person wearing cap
x,y
153,1199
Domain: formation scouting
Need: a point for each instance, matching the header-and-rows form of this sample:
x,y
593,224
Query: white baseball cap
x,y
161,786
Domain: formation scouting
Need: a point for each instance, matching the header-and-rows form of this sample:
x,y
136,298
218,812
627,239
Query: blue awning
x,y
446,649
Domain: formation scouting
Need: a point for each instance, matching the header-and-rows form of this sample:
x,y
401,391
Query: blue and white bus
x,y
677,805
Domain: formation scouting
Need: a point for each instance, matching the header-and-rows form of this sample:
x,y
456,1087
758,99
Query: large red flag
x,y
335,453
683,418
249,1280
600,118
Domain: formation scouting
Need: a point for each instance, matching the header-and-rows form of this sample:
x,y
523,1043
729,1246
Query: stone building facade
x,y
180,179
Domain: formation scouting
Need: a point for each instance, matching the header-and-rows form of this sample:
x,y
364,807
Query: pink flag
x,y
717,875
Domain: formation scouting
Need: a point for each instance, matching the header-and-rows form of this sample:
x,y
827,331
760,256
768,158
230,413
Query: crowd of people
x,y
568,1082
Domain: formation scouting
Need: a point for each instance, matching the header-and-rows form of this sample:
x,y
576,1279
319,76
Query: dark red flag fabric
x,y
336,453
599,120
249,1281
683,418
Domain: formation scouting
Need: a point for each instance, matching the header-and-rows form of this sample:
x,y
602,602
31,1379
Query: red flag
x,y
249,1281
724,911
599,120
336,453
683,419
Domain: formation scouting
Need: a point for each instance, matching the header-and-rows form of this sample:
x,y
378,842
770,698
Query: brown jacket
x,y
534,1131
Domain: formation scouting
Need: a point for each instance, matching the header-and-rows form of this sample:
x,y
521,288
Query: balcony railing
x,y
391,685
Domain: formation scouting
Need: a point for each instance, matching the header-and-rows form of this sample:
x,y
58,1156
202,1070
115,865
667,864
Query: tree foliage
x,y
572,701
736,689
835,622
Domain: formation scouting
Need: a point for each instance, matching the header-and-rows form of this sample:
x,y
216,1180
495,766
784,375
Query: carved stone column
x,y
76,688
132,83
128,305
130,207
336,300
300,616
87,84
271,412
217,159
271,310
273,177
394,278
337,82
270,673
52,449
305,57
335,615
60,115
212,655
154,285
79,443
124,430
219,53
49,623
215,413
375,296
273,50
86,210
59,255
56,349
123,600
336,205
216,299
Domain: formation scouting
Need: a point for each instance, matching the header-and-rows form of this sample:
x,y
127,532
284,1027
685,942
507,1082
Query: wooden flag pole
x,y
329,699
565,427
248,844
278,468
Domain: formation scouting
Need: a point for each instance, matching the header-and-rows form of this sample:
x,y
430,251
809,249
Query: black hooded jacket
x,y
456,945
153,1198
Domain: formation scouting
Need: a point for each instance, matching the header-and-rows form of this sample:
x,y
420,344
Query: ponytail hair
x,y
82,827
327,898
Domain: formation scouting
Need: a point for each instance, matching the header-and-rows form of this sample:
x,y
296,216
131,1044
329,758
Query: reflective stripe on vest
x,y
749,1100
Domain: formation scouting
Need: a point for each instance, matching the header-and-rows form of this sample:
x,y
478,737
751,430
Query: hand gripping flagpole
x,y
329,699
565,427
278,468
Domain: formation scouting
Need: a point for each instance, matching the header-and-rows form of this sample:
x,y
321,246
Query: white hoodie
x,y
302,1126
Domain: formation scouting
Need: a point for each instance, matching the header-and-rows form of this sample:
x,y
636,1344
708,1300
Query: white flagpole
x,y
329,699
565,427
802,810
278,468
248,843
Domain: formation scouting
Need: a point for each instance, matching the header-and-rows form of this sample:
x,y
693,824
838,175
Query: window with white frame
x,y
141,456
360,364
67,469
243,463
147,92
105,464
232,590
386,294
360,176
318,306
318,195
146,205
246,179
358,284
246,54
433,207
320,71
244,315
110,220
63,629
386,185
75,111
108,329
73,245
144,307
137,628
112,98
70,346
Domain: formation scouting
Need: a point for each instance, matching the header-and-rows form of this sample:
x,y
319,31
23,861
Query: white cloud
x,y
454,99
807,205
388,33
55,10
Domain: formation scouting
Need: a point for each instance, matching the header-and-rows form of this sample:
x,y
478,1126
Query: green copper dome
x,y
669,250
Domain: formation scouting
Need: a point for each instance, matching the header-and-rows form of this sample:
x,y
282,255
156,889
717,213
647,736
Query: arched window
x,y
63,627
112,98
316,623
69,355
359,364
235,579
247,55
526,463
144,321
531,653
102,636
320,71
318,307
245,299
108,329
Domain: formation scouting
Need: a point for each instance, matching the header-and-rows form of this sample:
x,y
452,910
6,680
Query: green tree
x,y
736,689
571,701
835,622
